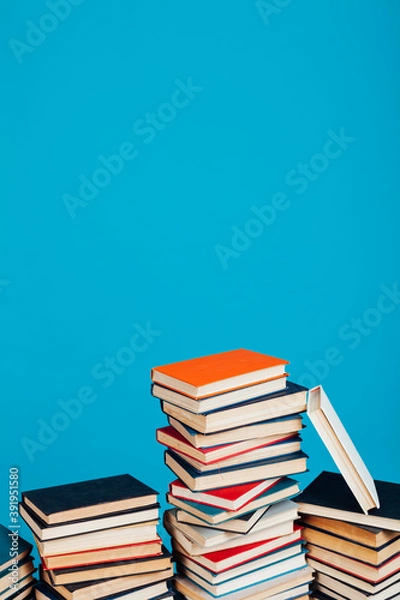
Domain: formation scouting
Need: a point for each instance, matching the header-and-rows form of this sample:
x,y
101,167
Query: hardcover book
x,y
22,551
272,429
201,377
270,468
82,500
286,488
221,400
329,496
342,449
290,401
228,498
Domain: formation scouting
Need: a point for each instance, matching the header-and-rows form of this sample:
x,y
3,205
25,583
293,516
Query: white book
x,y
342,449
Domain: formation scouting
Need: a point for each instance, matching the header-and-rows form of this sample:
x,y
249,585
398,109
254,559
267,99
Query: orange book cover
x,y
206,370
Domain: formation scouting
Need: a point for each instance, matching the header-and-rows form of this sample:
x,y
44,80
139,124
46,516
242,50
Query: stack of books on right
x,y
233,442
355,555
351,522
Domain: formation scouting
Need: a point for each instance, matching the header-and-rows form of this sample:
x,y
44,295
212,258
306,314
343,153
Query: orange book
x,y
218,373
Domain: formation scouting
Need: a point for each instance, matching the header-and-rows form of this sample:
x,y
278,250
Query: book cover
x,y
232,369
89,498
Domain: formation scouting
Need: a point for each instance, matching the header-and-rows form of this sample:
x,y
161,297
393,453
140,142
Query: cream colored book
x,y
340,446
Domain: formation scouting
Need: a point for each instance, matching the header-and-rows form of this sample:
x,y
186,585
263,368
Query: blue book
x,y
269,468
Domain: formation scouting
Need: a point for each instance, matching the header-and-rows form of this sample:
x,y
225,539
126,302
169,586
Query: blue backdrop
x,y
183,179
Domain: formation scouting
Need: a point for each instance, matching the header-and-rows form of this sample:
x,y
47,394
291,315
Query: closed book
x,y
285,587
85,499
371,573
269,468
372,537
109,570
155,591
229,498
280,449
110,587
272,429
349,578
43,531
329,496
10,577
220,400
343,546
95,540
342,449
245,581
170,437
223,560
217,373
25,590
273,560
290,401
103,555
242,524
13,549
286,488
341,590
282,514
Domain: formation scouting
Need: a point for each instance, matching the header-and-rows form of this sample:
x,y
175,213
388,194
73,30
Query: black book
x,y
86,499
329,496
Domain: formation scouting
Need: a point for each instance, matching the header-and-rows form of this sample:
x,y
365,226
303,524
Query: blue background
x,y
144,250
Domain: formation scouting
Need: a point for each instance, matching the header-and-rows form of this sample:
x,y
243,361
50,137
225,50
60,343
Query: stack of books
x,y
354,555
16,567
98,539
232,442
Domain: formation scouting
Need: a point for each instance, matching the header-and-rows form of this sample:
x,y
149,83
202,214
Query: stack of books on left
x,y
98,539
233,441
16,567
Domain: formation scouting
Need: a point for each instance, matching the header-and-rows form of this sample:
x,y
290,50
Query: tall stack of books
x,y
232,442
355,555
98,539
16,567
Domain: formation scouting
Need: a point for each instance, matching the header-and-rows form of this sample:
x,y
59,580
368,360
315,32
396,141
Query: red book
x,y
228,498
217,373
168,436
222,560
